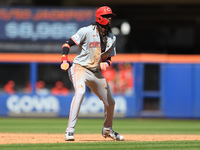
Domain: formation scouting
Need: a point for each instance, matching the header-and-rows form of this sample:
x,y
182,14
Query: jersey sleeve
x,y
79,36
113,49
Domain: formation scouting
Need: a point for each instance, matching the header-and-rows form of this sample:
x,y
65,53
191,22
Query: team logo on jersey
x,y
94,44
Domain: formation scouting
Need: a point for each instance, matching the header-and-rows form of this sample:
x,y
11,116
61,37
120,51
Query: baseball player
x,y
96,45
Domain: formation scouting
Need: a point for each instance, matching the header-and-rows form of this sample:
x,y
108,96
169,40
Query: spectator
x,y
110,75
59,89
40,88
28,88
9,87
125,78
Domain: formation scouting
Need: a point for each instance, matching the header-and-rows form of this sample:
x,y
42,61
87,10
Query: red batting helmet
x,y
104,10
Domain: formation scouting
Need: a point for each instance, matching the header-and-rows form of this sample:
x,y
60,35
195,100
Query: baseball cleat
x,y
69,136
107,132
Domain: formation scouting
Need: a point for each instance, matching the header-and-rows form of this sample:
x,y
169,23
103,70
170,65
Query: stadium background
x,y
160,51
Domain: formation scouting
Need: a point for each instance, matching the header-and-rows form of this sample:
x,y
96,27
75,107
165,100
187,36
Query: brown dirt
x,y
14,138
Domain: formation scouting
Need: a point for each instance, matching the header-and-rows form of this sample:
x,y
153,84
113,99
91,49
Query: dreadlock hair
x,y
103,38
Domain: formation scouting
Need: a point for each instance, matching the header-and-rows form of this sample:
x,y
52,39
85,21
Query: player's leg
x,y
101,88
78,79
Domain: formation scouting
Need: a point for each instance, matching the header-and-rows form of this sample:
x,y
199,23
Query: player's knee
x,y
80,90
111,103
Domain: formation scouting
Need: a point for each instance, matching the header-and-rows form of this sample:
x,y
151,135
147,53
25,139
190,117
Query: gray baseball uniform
x,y
86,71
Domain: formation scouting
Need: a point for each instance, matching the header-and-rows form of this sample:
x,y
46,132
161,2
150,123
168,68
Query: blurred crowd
x,y
41,89
119,77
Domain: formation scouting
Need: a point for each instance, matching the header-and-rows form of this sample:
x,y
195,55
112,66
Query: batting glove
x,y
104,65
65,63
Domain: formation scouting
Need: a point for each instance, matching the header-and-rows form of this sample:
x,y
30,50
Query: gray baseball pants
x,y
80,77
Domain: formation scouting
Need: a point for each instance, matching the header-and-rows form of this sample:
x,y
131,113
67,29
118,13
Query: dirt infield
x,y
14,138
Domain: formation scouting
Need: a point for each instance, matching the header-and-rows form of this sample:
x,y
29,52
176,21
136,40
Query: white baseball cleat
x,y
69,136
107,132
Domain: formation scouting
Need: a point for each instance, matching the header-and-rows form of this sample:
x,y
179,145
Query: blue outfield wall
x,y
181,90
179,96
177,90
196,91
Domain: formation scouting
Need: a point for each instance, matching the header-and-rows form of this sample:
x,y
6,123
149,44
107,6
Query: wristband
x,y
66,45
109,62
64,57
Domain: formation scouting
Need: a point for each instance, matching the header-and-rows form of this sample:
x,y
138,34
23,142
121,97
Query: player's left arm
x,y
106,63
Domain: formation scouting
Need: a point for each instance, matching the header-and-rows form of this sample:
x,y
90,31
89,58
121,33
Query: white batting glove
x,y
65,65
104,66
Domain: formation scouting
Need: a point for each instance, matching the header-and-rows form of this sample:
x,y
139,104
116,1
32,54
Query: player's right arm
x,y
76,39
65,64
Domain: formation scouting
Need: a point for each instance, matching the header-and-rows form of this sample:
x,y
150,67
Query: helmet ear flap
x,y
102,21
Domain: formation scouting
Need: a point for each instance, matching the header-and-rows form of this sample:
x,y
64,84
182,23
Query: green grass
x,y
167,145
123,126
126,126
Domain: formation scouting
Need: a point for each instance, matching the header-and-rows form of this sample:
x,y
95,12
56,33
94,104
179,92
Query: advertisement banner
x,y
28,105
37,23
